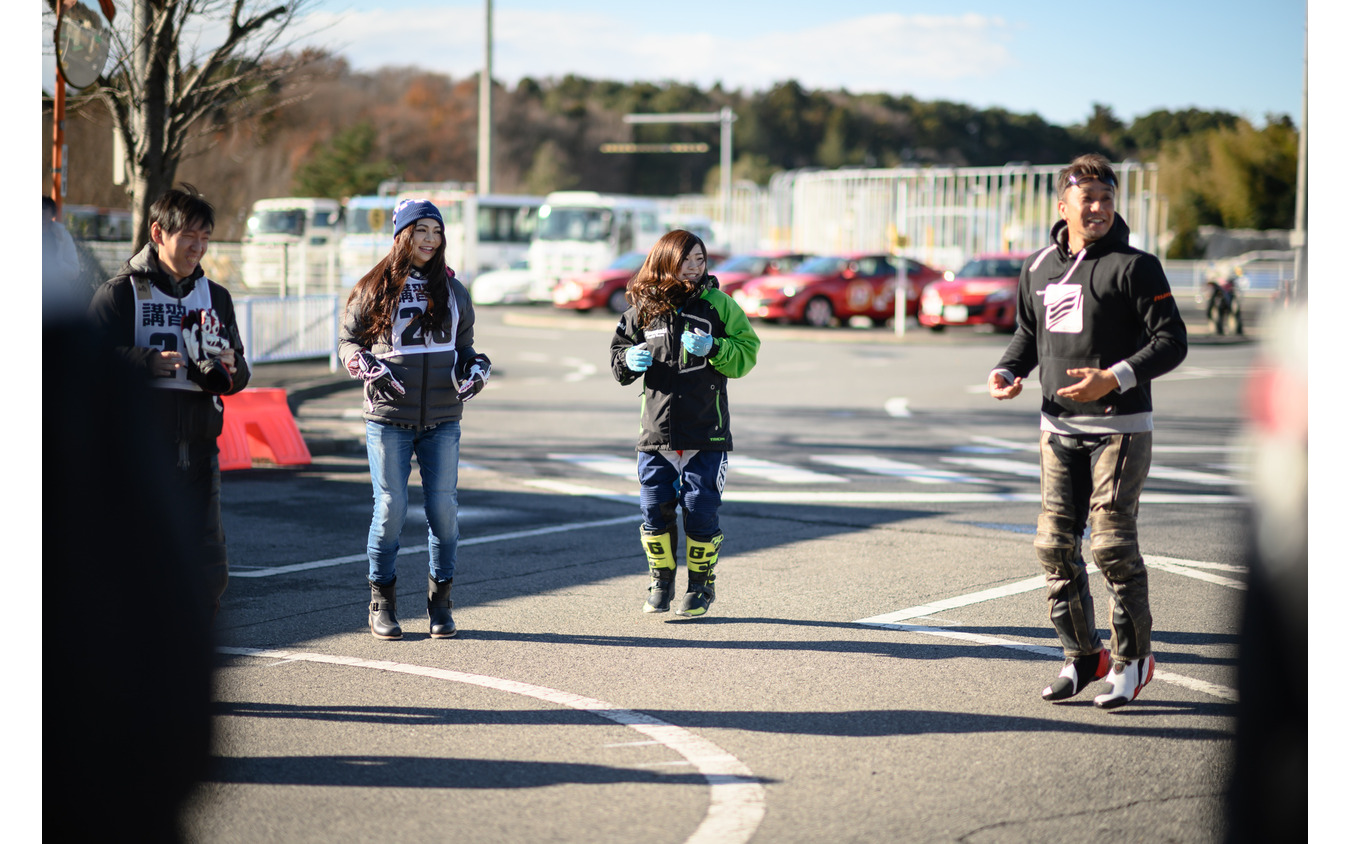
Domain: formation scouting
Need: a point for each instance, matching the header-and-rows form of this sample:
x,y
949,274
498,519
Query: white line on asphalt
x,y
416,549
881,497
1202,686
887,467
1173,565
779,473
897,407
606,464
736,798
1012,445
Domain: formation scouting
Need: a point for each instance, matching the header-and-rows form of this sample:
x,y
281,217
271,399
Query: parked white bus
x,y
291,242
580,231
368,232
506,225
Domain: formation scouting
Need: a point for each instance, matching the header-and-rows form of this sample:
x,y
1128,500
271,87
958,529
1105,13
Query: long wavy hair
x,y
375,297
657,288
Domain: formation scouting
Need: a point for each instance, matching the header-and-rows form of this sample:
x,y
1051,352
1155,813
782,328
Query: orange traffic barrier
x,y
261,421
233,445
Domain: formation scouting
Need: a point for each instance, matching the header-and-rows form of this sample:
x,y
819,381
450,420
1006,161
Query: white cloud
x,y
883,52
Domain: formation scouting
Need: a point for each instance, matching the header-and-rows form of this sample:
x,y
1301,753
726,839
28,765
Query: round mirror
x,y
82,43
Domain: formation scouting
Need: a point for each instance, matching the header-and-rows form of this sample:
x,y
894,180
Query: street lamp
x,y
725,117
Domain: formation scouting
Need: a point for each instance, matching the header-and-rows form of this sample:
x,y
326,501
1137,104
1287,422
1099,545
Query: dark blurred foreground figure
x,y
126,717
1268,794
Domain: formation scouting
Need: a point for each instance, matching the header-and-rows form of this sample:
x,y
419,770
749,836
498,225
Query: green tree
x,y
549,171
1238,177
343,166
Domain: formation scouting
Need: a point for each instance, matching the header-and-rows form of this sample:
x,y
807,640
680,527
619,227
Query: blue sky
x,y
1052,58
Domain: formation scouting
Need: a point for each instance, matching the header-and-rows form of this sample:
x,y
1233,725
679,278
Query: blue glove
x,y
698,344
638,357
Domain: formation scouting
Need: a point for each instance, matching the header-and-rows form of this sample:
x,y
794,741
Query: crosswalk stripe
x,y
606,464
897,469
784,473
1166,473
779,473
998,464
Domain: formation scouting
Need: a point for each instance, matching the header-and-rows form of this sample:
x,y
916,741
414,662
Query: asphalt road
x,y
869,672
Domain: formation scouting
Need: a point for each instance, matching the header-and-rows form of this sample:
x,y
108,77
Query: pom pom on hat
x,y
410,211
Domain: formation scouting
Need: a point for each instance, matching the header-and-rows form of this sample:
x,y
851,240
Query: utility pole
x,y
1300,239
485,111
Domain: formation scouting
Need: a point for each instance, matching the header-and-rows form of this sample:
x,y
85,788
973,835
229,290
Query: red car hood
x,y
598,277
777,282
974,286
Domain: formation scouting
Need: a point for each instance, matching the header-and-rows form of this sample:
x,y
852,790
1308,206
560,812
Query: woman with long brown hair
x,y
684,338
407,333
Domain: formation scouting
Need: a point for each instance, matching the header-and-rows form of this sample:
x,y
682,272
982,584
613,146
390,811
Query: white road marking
x,y
606,464
898,469
1035,447
1173,565
998,464
1189,476
883,497
736,798
1202,686
897,407
272,571
779,473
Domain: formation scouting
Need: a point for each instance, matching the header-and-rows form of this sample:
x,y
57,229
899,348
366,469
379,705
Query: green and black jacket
x,y
684,398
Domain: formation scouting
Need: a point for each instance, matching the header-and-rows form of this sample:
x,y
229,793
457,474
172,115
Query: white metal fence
x,y
938,215
278,329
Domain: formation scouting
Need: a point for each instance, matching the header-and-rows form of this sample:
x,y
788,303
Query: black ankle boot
x,y
384,612
438,608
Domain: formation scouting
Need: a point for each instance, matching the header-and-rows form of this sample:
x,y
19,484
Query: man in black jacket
x,y
1098,317
177,327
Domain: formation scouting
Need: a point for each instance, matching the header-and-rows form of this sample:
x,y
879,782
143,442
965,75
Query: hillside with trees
x,y
330,131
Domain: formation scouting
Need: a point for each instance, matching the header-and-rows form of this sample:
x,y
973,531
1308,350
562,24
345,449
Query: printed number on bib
x,y
412,333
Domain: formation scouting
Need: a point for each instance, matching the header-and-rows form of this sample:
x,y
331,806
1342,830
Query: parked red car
x,y
983,292
830,288
599,288
738,269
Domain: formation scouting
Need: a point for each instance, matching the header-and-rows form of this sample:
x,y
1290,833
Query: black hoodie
x,y
1107,307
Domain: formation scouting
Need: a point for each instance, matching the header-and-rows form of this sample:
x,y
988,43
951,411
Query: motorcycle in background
x,y
1224,309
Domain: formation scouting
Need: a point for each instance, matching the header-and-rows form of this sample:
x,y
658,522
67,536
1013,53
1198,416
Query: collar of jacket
x,y
146,265
1119,234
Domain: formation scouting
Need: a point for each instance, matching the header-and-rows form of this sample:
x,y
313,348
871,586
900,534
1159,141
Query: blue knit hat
x,y
410,211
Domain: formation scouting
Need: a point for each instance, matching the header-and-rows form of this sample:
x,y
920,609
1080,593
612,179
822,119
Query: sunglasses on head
x,y
1088,177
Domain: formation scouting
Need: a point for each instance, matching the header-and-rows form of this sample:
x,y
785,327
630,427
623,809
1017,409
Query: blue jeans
x,y
390,449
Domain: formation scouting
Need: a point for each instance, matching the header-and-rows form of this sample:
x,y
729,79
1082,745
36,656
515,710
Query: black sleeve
x,y
625,336
224,305
1146,285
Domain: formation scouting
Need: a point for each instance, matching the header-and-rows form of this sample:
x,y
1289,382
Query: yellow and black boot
x,y
700,557
660,551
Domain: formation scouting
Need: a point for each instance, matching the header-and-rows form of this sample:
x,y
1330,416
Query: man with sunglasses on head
x,y
1098,317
